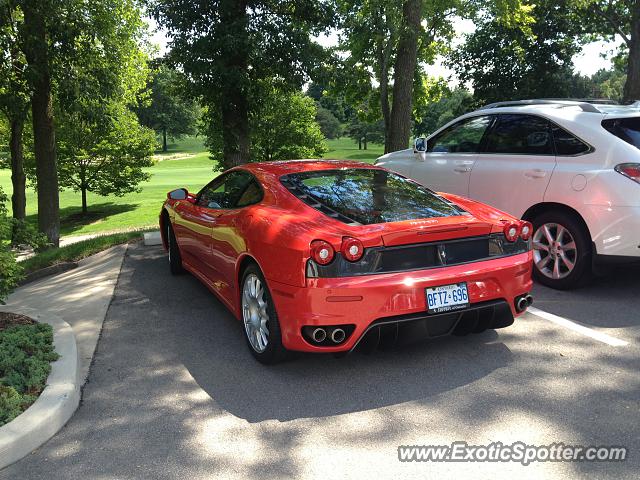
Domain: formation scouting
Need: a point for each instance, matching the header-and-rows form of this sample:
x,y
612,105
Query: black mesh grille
x,y
419,256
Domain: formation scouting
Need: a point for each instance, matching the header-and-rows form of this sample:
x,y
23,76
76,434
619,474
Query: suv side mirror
x,y
420,145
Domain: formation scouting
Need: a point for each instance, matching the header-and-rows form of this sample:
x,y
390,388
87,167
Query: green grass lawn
x,y
186,164
346,149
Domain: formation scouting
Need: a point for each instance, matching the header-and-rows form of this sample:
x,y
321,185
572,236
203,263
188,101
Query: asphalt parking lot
x,y
173,393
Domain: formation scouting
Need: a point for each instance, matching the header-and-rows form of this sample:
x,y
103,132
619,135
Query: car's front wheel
x,y
261,326
175,260
561,251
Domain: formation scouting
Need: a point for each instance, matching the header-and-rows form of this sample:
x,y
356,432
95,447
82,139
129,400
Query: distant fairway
x,y
186,164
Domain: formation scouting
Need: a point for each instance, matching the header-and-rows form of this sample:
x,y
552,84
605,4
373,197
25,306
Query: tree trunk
x,y
365,141
360,143
164,139
384,54
632,85
18,179
404,69
235,88
37,54
85,210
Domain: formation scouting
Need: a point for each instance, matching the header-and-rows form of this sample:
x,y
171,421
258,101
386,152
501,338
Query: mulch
x,y
8,319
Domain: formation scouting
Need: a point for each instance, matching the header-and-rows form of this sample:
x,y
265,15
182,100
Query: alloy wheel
x,y
254,313
554,251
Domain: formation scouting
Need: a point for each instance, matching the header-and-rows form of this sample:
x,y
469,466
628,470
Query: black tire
x,y
274,351
175,259
581,272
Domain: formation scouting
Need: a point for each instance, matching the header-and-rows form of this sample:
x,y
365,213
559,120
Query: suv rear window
x,y
365,196
628,129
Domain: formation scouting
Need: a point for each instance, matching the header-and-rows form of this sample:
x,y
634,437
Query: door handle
x,y
535,173
462,169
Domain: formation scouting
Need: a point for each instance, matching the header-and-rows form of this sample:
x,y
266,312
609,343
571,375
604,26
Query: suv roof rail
x,y
585,105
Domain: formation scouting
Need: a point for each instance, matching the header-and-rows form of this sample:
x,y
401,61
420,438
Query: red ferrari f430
x,y
327,256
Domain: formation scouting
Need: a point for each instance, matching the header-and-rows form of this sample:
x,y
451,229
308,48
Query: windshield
x,y
366,196
628,129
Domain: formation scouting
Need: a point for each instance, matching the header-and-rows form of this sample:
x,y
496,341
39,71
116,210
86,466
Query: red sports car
x,y
324,256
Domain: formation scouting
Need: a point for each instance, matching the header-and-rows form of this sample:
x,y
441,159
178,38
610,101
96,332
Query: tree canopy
x,y
226,48
168,111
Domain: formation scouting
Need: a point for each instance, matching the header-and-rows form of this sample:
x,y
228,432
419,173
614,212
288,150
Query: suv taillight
x,y
630,170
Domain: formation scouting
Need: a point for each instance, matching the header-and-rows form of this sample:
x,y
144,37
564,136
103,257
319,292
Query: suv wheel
x,y
561,251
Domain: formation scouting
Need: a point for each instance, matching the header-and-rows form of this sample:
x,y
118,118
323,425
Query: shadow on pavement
x,y
604,302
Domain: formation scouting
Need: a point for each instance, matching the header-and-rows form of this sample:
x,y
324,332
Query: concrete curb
x,y
57,402
48,271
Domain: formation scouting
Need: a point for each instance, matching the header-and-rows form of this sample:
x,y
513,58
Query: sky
x,y
588,62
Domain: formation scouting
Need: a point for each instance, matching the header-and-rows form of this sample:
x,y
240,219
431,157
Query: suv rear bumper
x,y
615,231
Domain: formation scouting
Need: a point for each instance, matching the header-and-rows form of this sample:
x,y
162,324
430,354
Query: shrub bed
x,y
26,353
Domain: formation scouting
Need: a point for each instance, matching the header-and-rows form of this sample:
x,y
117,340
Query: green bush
x,y
25,355
10,271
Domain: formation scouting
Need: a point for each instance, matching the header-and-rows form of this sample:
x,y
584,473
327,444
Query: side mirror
x,y
178,194
420,145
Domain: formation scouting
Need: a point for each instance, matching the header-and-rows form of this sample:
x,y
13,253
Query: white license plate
x,y
447,298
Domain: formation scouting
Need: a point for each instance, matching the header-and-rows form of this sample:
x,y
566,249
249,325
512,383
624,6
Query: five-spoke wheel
x,y
561,250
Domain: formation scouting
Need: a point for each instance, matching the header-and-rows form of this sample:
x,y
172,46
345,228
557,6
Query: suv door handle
x,y
462,169
537,173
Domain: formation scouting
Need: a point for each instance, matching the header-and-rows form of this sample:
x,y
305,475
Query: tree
x,y
387,41
442,109
36,42
364,132
505,62
227,46
608,18
283,127
14,100
329,124
167,112
105,155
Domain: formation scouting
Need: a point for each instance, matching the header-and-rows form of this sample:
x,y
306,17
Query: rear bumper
x,y
615,231
372,300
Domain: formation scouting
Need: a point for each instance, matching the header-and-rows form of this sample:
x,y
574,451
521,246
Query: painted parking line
x,y
576,327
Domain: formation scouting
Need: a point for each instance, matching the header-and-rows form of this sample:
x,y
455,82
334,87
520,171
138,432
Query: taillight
x,y
526,229
322,252
352,249
630,170
511,231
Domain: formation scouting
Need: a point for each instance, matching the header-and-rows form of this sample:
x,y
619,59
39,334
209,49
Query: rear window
x,y
568,144
628,129
521,135
366,196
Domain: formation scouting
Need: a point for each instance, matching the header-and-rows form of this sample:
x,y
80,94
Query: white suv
x,y
571,168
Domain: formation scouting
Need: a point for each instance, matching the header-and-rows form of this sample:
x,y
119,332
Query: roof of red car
x,y
294,166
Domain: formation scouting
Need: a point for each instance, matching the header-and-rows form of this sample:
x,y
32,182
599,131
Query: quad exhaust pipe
x,y
319,335
524,302
338,335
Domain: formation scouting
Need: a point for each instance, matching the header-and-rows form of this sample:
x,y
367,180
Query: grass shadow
x,y
72,219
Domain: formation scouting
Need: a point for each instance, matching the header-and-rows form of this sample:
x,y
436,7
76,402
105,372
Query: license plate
x,y
447,298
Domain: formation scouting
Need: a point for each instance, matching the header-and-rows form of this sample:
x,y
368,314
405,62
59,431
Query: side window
x,y
462,137
520,134
252,194
225,191
567,144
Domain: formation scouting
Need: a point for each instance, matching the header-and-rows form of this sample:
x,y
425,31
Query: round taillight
x,y
511,231
352,249
526,230
322,252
